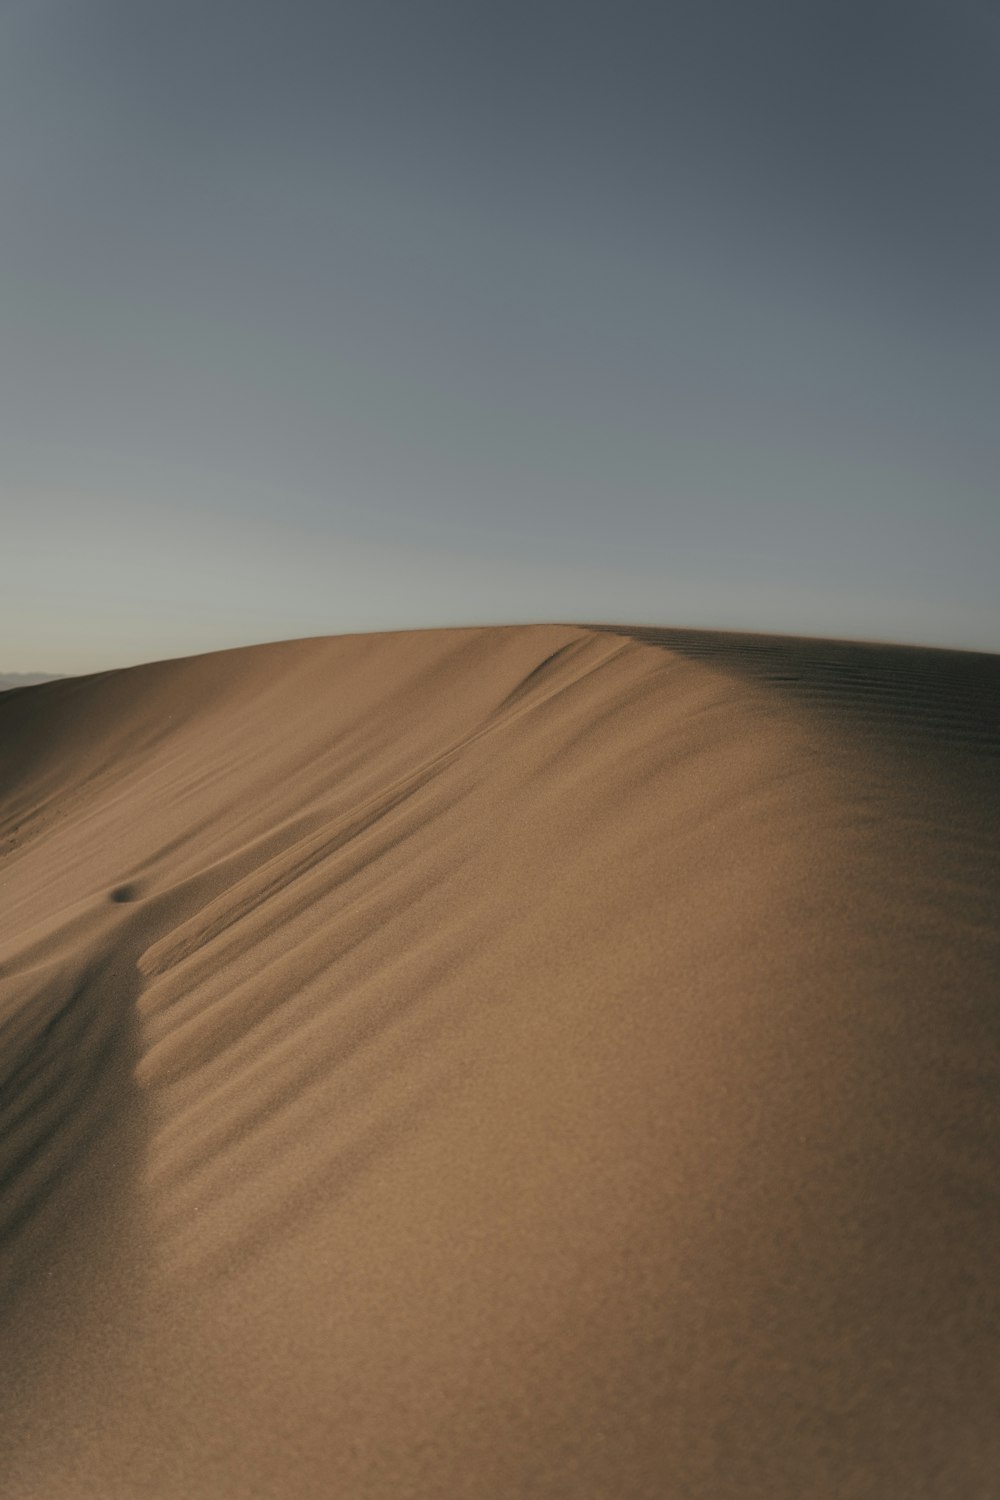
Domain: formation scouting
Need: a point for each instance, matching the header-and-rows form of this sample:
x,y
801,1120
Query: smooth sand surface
x,y
554,1062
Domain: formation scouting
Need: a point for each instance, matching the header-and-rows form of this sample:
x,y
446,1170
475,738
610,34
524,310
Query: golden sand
x,y
531,1062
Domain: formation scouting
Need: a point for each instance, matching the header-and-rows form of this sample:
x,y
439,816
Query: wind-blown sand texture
x,y
531,1062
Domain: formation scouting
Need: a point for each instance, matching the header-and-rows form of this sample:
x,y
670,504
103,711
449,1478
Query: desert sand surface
x,y
552,1061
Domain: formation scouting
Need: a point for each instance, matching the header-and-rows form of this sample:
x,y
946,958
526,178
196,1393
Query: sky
x,y
324,317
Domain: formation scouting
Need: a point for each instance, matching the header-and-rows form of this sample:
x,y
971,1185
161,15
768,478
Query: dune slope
x,y
553,1061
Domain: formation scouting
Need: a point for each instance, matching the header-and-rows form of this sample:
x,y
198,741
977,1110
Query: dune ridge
x,y
552,1061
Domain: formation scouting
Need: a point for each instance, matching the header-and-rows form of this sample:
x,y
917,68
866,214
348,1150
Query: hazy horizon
x,y
331,318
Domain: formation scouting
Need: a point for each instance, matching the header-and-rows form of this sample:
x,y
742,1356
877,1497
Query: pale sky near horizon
x,y
321,317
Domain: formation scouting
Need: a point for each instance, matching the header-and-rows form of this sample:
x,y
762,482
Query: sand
x,y
554,1062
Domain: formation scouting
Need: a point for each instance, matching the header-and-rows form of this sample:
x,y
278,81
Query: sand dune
x,y
552,1062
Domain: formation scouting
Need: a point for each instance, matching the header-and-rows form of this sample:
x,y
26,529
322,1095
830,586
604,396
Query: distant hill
x,y
25,679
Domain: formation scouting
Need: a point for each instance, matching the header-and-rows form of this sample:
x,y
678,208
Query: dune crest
x,y
548,1061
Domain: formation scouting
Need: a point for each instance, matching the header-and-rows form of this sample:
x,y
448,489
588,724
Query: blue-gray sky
x,y
318,317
